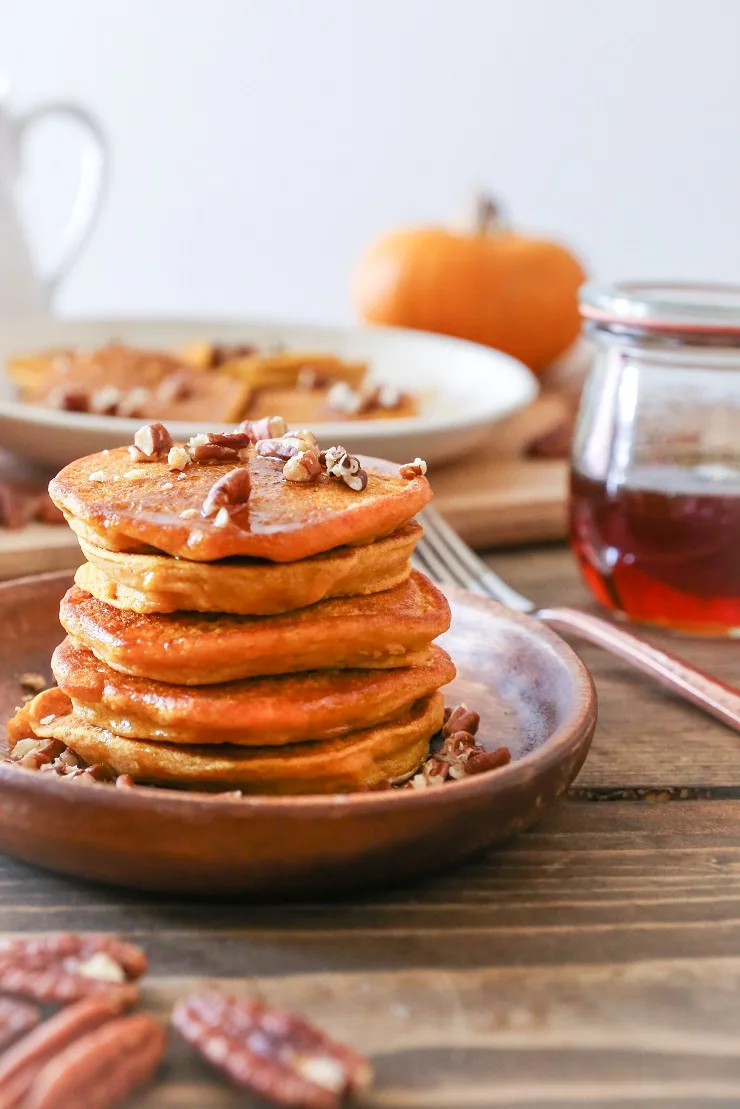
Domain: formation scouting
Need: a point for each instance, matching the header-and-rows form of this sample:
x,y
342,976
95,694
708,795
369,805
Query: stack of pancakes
x,y
284,649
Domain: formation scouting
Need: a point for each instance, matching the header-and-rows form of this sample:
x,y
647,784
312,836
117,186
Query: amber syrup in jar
x,y
664,547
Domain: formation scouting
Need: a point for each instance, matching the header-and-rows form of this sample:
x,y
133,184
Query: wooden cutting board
x,y
496,497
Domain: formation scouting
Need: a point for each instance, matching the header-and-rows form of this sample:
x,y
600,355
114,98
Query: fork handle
x,y
716,698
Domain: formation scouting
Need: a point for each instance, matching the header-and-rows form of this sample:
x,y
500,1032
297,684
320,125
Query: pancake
x,y
137,507
390,629
358,761
287,708
159,583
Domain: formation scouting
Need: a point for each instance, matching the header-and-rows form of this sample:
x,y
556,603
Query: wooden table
x,y
595,961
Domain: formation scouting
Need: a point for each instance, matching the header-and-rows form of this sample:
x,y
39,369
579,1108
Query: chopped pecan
x,y
269,427
33,682
101,1068
46,512
67,967
178,458
234,440
125,781
105,401
434,772
153,441
304,466
461,719
283,448
34,753
280,1056
480,761
309,379
16,1019
21,1065
230,492
177,385
229,353
211,452
417,468
339,463
69,399
134,403
15,509
357,402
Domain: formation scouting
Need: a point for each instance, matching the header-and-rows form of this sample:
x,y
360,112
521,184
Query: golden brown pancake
x,y
252,587
389,629
137,507
358,761
287,708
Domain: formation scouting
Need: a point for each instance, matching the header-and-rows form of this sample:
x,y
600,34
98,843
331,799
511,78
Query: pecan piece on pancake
x,y
69,399
152,442
286,447
178,458
21,1065
303,466
269,427
410,470
101,1068
68,967
17,1018
339,463
280,1056
230,492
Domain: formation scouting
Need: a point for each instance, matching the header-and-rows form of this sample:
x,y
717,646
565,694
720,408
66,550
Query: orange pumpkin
x,y
491,285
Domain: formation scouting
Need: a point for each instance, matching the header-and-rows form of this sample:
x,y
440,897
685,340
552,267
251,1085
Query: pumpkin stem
x,y
488,218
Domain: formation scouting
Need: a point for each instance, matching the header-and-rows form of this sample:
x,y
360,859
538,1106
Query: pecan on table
x,y
67,967
22,1063
16,1019
101,1068
279,1055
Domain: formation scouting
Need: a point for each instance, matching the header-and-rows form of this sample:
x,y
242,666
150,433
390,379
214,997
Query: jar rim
x,y
663,306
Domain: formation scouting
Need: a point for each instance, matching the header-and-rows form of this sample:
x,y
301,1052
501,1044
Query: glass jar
x,y
655,482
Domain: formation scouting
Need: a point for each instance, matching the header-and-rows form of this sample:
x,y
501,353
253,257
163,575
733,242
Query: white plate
x,y
464,388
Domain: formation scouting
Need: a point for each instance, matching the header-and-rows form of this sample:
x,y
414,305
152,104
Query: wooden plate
x,y
531,690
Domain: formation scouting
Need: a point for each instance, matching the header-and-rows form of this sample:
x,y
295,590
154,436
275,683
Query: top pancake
x,y
135,507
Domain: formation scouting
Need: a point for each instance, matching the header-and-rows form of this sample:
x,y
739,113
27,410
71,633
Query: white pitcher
x,y
23,291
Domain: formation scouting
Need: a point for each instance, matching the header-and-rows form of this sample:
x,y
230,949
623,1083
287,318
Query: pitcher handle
x,y
93,179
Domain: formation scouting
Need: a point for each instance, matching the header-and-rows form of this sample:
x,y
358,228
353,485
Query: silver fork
x,y
448,560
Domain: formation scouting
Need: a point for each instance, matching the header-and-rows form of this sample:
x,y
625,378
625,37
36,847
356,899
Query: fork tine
x,y
469,569
431,564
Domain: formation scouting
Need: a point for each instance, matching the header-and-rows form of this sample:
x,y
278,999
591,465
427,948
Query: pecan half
x,y
101,1068
17,1018
67,967
417,468
153,441
303,467
230,492
279,1055
20,1066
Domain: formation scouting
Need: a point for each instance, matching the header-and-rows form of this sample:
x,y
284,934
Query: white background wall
x,y
259,143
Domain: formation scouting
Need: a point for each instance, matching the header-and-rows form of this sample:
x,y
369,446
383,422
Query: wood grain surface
x,y
593,961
